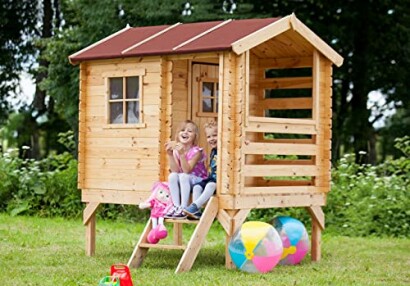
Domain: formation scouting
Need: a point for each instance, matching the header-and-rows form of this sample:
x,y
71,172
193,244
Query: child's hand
x,y
169,147
144,205
180,149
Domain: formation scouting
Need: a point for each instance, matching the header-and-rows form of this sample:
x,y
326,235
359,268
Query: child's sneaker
x,y
179,214
195,216
193,211
171,212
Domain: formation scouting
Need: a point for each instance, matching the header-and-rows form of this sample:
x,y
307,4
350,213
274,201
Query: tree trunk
x,y
359,124
39,102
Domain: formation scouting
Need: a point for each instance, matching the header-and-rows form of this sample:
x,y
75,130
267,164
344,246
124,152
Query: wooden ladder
x,y
191,250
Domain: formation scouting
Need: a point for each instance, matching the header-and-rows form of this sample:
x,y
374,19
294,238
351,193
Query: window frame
x,y
140,73
216,98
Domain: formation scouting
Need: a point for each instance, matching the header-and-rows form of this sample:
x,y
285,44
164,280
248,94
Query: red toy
x,y
123,273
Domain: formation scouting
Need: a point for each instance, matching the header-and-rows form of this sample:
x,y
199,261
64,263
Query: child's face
x,y
187,135
163,195
212,136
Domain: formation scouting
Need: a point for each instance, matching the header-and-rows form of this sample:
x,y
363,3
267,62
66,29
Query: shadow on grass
x,y
169,259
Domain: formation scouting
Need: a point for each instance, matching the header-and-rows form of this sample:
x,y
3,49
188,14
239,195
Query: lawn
x,y
38,251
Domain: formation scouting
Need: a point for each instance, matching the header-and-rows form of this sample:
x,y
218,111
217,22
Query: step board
x,y
162,246
188,221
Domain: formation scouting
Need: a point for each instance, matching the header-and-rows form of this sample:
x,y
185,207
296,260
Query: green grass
x,y
38,251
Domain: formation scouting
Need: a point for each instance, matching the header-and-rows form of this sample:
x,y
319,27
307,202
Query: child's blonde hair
x,y
183,125
211,124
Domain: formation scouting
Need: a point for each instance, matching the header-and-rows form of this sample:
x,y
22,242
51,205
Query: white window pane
x,y
116,116
207,104
116,91
133,87
133,113
207,88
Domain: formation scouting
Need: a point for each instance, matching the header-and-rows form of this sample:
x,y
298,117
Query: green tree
x,y
17,26
373,36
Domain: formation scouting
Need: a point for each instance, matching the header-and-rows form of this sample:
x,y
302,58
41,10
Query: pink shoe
x,y
161,232
152,238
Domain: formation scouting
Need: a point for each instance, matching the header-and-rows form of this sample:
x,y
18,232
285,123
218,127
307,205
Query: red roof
x,y
175,39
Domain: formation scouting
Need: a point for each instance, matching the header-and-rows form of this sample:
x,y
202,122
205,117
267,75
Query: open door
x,y
205,97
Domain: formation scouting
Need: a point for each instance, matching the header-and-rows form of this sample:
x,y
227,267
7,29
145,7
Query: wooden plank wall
x,y
180,99
324,117
82,125
165,116
119,159
231,123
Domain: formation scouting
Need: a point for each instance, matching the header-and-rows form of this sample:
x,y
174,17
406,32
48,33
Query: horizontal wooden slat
x,y
95,131
280,149
266,161
281,125
271,201
184,221
284,83
122,142
286,63
121,163
115,196
288,140
118,153
162,246
279,170
282,190
118,174
261,182
132,184
287,103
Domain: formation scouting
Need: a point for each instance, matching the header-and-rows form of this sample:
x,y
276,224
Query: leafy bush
x,y
371,200
365,200
48,187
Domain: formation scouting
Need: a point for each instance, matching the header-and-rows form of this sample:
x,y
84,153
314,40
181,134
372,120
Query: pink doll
x,y
160,203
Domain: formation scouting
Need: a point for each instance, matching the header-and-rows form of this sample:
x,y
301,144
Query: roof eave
x,y
72,58
278,27
148,54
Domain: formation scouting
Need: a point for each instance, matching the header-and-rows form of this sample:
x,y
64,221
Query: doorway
x,y
205,98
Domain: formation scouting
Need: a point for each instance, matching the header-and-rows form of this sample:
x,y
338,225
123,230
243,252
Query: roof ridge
x,y
150,38
202,34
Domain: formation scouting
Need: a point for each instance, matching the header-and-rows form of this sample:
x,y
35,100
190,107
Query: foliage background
x,y
365,200
373,36
38,169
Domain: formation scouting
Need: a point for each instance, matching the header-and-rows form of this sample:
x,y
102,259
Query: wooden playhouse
x,y
268,82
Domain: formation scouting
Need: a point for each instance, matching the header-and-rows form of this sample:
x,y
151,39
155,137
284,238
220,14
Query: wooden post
x,y
198,237
237,217
89,222
318,224
139,253
90,236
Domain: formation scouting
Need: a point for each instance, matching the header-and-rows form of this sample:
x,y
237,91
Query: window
x,y
209,98
124,101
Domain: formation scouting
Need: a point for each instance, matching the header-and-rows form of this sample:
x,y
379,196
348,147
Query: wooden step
x,y
162,246
196,221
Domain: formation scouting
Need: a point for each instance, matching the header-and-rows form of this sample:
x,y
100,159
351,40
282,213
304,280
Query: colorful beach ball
x,y
294,237
256,247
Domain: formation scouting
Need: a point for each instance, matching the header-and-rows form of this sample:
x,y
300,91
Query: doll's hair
x,y
183,125
157,186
